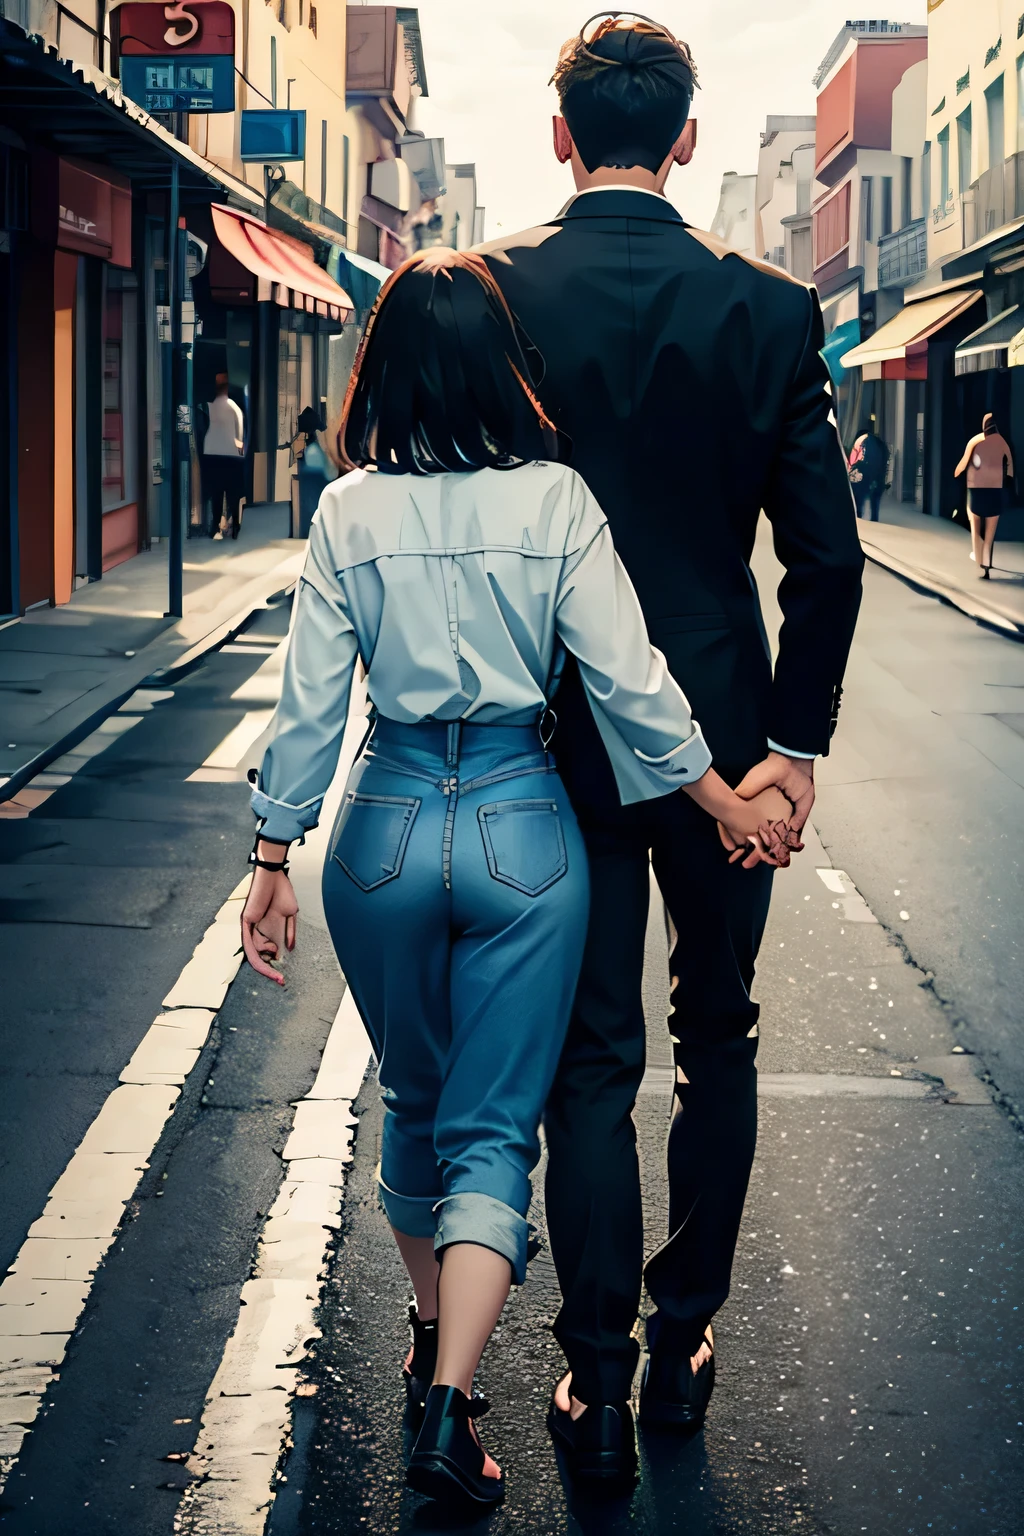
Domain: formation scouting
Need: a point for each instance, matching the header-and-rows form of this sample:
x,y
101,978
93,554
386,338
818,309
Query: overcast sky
x,y
488,63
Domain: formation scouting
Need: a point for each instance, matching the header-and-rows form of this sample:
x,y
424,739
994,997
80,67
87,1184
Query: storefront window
x,y
120,389
288,368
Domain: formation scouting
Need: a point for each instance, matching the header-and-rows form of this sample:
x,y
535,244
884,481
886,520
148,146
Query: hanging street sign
x,y
273,135
178,57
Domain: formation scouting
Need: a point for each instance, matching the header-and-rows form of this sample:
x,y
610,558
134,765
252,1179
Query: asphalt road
x,y
869,1356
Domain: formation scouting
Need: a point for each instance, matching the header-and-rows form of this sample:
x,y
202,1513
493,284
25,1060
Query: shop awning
x,y
284,270
987,346
899,348
836,346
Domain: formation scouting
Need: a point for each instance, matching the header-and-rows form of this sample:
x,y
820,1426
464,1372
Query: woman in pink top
x,y
985,459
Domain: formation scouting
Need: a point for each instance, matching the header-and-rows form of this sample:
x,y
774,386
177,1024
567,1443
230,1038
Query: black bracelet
x,y
274,867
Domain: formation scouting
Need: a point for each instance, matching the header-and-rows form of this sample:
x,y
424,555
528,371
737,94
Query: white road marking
x,y
229,752
39,789
49,1282
35,793
247,1417
226,762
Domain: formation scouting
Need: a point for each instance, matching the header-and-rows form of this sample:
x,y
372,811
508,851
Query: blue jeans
x,y
456,893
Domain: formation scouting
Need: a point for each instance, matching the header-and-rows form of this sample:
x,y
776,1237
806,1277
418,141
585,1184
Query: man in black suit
x,y
688,382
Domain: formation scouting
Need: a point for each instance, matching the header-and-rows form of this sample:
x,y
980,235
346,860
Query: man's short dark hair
x,y
625,93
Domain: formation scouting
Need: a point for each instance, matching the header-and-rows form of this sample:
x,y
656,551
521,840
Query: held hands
x,y
793,775
268,921
758,830
789,777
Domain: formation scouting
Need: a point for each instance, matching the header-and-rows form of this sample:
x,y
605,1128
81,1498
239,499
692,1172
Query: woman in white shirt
x,y
459,562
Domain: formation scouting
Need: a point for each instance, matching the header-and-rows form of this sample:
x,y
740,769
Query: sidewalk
x,y
62,670
934,554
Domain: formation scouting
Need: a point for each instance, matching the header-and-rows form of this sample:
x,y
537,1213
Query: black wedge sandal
x,y
447,1462
418,1370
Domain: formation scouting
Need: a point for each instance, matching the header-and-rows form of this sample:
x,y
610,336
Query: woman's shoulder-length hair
x,y
444,377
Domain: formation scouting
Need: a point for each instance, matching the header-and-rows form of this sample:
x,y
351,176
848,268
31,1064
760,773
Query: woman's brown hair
x,y
444,378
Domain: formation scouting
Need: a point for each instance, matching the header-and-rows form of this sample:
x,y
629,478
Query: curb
x,y
931,585
145,674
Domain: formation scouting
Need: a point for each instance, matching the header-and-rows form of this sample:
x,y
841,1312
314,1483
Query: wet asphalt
x,y
870,1354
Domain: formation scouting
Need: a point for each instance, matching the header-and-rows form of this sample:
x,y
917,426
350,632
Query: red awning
x,y
284,270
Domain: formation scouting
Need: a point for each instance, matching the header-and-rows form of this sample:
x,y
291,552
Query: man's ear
x,y
682,151
562,139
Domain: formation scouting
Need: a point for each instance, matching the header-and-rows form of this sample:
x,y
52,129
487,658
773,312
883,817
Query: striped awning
x,y
283,267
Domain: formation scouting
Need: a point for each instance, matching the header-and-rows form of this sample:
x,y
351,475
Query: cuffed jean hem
x,y
412,1215
475,1218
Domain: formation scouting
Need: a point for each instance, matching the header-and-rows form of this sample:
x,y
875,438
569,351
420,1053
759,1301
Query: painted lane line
x,y
229,752
226,763
60,772
36,792
247,1418
43,1295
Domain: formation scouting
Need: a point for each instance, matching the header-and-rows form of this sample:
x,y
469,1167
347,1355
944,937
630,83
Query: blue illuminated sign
x,y
273,135
195,83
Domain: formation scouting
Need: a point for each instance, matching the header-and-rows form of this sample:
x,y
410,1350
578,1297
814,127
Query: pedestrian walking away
x,y
988,461
223,467
459,563
868,466
690,383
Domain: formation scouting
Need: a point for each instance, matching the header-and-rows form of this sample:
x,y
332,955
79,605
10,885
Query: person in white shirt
x,y
459,563
223,465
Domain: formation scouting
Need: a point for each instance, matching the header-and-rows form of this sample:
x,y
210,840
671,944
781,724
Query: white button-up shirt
x,y
461,594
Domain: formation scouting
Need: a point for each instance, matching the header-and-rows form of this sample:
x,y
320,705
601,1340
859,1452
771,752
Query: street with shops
x,y
202,1322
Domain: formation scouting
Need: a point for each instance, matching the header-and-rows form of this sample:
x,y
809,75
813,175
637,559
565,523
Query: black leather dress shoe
x,y
419,1371
672,1395
599,1446
447,1462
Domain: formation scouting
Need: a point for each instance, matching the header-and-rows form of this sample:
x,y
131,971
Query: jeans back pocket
x,y
371,837
524,844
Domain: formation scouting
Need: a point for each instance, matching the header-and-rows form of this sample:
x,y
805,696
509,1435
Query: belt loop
x,y
546,726
454,743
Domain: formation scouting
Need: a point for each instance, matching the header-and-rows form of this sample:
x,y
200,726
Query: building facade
x,y
976,220
867,221
735,219
785,176
146,249
958,268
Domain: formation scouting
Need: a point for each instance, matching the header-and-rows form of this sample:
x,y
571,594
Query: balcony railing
x,y
994,199
902,256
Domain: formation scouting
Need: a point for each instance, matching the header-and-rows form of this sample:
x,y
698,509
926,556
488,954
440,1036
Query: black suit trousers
x,y
594,1213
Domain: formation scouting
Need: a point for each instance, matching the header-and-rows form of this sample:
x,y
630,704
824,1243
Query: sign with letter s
x,y
177,57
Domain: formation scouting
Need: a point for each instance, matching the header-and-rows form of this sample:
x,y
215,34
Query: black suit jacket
x,y
689,382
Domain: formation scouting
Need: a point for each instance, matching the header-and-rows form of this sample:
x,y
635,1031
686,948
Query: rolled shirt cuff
x,y
685,764
788,751
284,823
476,1218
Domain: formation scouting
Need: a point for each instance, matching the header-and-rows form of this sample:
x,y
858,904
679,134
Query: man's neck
x,y
614,176
617,186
